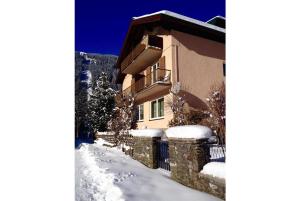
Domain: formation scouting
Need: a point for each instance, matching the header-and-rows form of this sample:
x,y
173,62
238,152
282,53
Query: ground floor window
x,y
157,108
140,112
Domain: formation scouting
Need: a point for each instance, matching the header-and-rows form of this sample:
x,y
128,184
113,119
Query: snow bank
x,y
215,169
147,133
190,131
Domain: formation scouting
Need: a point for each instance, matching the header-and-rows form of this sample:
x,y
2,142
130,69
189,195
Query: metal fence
x,y
217,152
163,155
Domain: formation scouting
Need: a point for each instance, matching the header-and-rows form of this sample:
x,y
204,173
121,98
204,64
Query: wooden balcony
x,y
150,85
143,55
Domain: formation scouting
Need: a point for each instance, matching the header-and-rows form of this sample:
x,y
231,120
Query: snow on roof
x,y
182,17
147,133
189,131
215,169
218,16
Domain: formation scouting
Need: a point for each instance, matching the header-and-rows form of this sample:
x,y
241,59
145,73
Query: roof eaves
x,y
184,18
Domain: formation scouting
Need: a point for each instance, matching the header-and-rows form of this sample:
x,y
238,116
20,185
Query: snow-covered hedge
x,y
215,169
189,131
147,133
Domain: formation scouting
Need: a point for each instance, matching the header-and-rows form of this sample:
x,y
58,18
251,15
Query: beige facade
x,y
195,61
198,65
161,122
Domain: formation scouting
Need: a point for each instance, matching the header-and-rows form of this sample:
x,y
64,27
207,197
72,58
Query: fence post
x,y
187,158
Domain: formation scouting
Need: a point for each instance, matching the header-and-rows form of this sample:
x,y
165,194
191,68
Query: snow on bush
x,y
189,131
105,133
147,133
215,169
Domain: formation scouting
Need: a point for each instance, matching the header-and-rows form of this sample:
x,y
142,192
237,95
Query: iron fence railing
x,y
156,76
217,152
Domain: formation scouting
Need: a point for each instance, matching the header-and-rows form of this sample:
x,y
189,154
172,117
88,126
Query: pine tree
x,y
101,104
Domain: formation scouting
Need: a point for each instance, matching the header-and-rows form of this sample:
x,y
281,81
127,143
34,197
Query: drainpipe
x,y
176,64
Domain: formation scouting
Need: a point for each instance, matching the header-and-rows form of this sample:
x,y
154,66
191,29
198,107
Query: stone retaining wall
x,y
187,158
127,139
145,150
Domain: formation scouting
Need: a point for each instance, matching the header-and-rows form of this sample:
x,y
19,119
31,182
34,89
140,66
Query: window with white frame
x,y
140,112
157,108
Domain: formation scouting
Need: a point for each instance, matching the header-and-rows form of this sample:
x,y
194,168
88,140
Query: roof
x,y
168,20
185,18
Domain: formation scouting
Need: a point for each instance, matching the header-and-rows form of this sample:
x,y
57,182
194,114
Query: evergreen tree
x,y
101,104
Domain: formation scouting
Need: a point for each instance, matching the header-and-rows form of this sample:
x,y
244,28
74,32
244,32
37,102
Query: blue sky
x,y
101,25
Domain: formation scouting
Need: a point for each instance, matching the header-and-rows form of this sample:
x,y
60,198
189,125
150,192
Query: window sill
x,y
140,121
157,118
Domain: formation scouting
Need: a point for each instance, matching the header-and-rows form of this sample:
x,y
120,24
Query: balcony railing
x,y
143,55
157,80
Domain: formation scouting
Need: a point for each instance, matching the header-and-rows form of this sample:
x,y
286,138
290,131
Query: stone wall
x,y
109,137
187,158
211,185
145,150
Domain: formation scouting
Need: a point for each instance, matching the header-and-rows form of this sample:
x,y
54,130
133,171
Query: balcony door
x,y
154,73
139,82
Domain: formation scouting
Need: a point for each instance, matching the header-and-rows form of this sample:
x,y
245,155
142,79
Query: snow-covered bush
x,y
183,115
123,117
216,102
177,107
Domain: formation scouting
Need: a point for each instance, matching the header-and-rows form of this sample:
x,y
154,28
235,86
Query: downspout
x,y
176,59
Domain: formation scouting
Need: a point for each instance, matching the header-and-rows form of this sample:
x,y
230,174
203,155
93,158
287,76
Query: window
x,y
141,112
224,69
154,72
157,108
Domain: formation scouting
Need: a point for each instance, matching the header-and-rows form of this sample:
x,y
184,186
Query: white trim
x,y
156,118
185,18
139,106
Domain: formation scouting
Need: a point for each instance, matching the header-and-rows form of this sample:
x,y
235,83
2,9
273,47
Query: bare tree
x,y
216,102
123,117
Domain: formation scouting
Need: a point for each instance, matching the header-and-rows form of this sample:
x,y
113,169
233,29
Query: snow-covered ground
x,y
108,174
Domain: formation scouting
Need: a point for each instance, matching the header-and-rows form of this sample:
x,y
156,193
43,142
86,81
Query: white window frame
x,y
155,118
154,68
139,112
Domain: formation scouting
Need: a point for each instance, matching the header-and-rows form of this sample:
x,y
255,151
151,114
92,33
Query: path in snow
x,y
104,173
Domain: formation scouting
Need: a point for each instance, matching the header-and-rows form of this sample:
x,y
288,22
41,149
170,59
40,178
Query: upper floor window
x,y
157,108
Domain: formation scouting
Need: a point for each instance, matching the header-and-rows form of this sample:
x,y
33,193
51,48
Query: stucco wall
x,y
126,81
157,123
198,66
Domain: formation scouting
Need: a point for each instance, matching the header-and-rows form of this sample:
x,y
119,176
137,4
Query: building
x,y
164,48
